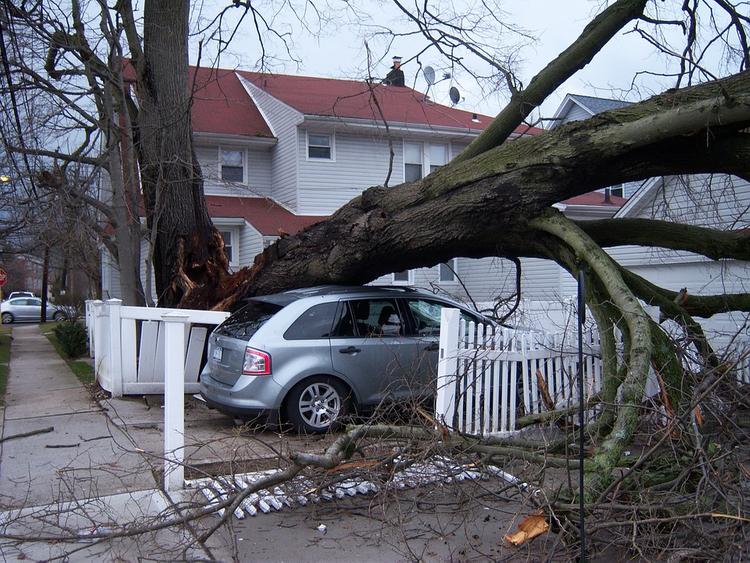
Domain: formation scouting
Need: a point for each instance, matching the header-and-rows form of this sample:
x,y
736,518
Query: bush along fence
x,y
488,376
128,345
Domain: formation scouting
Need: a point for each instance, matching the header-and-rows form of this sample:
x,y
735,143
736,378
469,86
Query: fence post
x,y
114,357
91,312
174,400
445,404
100,352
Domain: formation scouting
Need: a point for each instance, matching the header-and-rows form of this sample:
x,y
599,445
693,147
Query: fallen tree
x,y
494,200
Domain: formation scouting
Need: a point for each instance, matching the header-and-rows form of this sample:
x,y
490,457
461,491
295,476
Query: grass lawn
x,y
4,360
82,369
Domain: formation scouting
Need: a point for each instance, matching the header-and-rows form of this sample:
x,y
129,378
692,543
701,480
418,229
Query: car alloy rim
x,y
319,405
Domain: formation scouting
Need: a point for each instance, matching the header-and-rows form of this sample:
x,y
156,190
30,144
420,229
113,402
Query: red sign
x,y
3,277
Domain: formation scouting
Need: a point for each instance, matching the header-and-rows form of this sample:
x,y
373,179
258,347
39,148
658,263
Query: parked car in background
x,y
314,355
28,309
20,294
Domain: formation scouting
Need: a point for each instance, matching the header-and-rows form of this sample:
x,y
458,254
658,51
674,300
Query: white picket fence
x,y
128,345
487,376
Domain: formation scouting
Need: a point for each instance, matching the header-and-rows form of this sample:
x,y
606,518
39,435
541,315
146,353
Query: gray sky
x,y
336,50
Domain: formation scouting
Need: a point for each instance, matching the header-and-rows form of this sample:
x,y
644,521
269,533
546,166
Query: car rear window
x,y
246,322
314,323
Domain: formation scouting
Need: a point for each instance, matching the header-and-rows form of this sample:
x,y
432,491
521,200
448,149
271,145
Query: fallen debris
x,y
27,434
529,528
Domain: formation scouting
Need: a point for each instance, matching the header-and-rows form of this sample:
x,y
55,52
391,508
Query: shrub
x,y
72,338
70,304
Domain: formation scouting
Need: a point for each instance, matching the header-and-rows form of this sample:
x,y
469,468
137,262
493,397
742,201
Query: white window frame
x,y
243,152
234,242
425,150
453,263
332,137
409,281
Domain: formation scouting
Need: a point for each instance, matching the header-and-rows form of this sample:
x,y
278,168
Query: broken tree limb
x,y
601,266
27,434
581,52
555,415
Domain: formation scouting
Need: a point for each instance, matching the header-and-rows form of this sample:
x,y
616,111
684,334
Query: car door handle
x,y
349,350
432,347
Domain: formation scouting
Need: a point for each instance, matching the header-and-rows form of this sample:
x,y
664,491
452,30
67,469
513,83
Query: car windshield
x,y
246,322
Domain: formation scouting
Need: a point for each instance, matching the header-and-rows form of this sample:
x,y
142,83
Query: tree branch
x,y
712,243
593,38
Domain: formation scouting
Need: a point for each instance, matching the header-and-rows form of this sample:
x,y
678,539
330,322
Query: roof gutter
x,y
360,123
241,139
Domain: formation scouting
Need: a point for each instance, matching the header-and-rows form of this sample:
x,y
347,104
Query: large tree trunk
x,y
188,250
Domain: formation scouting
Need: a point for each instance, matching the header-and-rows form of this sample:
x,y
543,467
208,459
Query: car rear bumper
x,y
241,412
250,396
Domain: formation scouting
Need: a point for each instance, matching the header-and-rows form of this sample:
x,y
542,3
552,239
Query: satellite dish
x,y
429,75
455,95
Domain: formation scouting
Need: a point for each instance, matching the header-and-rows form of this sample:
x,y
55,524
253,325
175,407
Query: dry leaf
x,y
529,528
698,415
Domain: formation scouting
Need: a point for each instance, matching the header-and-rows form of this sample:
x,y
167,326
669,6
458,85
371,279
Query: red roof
x,y
261,212
353,99
221,105
595,198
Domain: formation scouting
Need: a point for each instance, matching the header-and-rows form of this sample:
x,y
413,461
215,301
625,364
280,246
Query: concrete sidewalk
x,y
68,470
71,466
79,454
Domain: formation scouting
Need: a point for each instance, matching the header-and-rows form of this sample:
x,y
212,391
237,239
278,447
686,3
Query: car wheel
x,y
317,404
59,316
7,318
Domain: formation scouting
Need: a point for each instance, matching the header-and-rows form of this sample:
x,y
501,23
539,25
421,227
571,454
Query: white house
x,y
281,152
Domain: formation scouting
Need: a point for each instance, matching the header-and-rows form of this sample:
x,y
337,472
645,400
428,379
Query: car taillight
x,y
256,362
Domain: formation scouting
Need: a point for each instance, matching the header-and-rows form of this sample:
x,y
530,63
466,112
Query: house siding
x,y
250,244
576,113
717,201
283,121
359,161
258,165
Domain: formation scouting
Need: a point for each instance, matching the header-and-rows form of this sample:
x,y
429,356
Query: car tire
x,y
7,318
317,405
59,316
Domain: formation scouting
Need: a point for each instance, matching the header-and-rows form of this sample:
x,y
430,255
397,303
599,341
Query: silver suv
x,y
314,355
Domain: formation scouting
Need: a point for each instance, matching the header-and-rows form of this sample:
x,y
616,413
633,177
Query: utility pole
x,y
45,282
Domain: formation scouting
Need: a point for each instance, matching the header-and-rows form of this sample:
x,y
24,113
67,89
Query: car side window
x,y
344,324
427,314
371,317
313,324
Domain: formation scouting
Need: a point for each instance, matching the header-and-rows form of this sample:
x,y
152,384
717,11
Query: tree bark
x,y
188,250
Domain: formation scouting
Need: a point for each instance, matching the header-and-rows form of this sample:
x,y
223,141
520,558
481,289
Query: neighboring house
x,y
718,201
